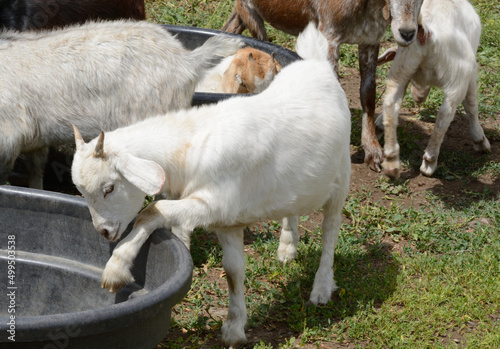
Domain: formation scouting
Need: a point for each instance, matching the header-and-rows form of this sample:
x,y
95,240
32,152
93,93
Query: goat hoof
x,y
322,291
392,173
232,336
115,277
427,168
374,155
483,146
392,168
375,165
287,254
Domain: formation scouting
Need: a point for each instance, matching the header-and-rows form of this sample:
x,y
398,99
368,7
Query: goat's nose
x,y
104,232
407,34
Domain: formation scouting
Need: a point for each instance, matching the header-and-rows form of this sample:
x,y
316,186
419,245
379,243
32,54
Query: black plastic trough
x,y
51,260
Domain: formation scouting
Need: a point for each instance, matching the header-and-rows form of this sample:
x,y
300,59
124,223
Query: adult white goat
x,y
443,56
277,154
97,76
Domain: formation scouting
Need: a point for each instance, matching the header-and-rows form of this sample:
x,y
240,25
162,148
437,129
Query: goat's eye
x,y
108,189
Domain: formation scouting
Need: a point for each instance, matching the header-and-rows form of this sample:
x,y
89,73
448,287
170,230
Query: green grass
x,y
410,276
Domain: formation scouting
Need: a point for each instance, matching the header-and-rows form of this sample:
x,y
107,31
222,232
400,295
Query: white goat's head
x,y
404,15
114,183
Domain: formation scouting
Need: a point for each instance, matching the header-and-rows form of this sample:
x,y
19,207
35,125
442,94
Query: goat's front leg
x,y
392,104
35,165
233,330
116,274
367,68
6,165
289,239
186,214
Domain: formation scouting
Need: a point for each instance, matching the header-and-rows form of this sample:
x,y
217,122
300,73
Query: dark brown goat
x,y
361,22
46,14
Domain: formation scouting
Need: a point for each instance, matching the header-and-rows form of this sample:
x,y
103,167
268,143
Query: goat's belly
x,y
290,16
426,76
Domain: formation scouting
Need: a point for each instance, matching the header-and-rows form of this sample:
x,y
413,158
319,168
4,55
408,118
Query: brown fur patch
x,y
249,64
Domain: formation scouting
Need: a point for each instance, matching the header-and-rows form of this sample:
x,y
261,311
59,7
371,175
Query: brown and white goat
x,y
361,22
248,71
46,14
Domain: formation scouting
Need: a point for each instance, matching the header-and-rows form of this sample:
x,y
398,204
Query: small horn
x,y
99,147
78,138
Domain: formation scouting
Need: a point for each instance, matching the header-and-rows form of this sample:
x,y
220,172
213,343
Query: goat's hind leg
x,y
234,24
244,16
481,143
289,239
324,283
233,330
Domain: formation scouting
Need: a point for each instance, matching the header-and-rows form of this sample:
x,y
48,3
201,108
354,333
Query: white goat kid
x,y
277,154
97,76
443,56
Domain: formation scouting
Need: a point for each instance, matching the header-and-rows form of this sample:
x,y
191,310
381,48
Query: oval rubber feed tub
x,y
55,288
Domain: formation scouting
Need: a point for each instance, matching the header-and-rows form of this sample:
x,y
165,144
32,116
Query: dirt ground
x,y
363,178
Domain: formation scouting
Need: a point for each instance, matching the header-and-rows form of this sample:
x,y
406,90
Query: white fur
x,y
446,60
98,76
277,154
212,82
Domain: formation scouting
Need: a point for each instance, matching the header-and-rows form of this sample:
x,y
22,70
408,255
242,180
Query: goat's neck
x,y
164,141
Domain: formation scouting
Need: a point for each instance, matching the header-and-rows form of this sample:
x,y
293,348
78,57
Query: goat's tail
x,y
212,52
312,44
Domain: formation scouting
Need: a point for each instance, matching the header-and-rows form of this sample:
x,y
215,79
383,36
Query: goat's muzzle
x,y
407,34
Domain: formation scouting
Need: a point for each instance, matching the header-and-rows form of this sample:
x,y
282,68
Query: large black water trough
x,y
51,260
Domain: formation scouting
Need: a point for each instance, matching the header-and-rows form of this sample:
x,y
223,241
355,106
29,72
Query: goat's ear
x,y
386,10
387,56
146,175
78,138
274,66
